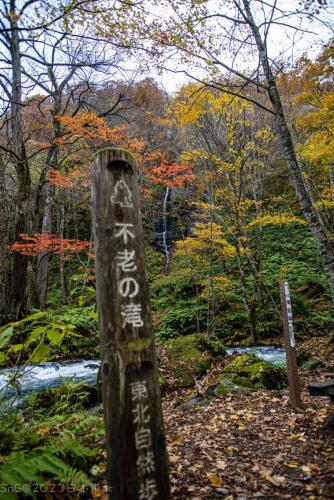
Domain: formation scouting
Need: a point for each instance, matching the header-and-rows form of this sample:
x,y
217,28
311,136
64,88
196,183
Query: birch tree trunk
x,y
311,214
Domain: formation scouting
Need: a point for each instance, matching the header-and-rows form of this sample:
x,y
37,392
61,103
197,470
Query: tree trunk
x,y
43,258
63,283
257,254
211,294
249,303
17,298
51,163
331,187
311,214
3,238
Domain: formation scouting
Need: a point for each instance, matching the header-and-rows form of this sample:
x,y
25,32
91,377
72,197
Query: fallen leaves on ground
x,y
251,446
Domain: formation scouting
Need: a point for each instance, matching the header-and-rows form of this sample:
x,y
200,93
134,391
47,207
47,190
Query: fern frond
x,y
21,467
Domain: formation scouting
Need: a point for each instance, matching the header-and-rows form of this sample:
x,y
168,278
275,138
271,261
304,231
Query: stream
x,y
35,378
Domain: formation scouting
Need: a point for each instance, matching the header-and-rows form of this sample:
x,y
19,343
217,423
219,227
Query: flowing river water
x,y
35,378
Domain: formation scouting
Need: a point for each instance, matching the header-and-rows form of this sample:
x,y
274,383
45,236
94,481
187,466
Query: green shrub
x,y
32,338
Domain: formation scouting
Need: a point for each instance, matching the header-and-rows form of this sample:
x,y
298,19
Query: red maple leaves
x,y
37,243
76,179
171,174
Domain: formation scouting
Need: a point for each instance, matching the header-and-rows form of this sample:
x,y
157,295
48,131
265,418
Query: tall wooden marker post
x,y
136,452
290,345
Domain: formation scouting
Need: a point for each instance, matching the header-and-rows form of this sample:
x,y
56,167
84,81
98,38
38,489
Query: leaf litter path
x,y
251,446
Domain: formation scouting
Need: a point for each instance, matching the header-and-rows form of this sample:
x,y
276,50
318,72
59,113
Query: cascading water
x,y
21,381
164,232
165,229
41,376
275,355
172,222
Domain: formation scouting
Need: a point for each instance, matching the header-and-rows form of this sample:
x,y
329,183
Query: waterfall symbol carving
x,y
122,195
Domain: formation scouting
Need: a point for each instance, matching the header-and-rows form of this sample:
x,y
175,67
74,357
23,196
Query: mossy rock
x,y
187,360
236,338
226,386
190,403
213,344
82,395
312,364
162,383
303,356
249,371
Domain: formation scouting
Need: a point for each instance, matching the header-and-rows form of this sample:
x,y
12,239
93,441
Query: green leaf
x,y
32,317
5,336
40,353
55,336
73,334
64,327
6,326
3,358
68,330
35,334
81,300
16,348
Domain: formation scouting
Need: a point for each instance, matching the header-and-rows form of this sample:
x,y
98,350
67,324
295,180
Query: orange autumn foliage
x,y
171,174
89,126
75,179
37,243
95,132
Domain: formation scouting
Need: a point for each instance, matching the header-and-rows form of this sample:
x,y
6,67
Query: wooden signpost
x,y
290,346
136,452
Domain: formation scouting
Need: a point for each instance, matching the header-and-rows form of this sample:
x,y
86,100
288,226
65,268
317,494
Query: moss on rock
x,y
249,371
213,344
162,383
227,386
80,395
187,360
312,364
303,355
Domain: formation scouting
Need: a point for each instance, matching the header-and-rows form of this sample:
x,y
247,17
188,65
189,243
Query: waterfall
x,y
164,231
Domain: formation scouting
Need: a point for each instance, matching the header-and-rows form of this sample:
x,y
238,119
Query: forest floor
x,y
251,446
242,447
248,447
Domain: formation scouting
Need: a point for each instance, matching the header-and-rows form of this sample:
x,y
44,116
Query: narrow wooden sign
x,y
290,346
136,451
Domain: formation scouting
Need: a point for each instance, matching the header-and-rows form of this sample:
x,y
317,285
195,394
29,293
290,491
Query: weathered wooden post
x,y
136,452
290,346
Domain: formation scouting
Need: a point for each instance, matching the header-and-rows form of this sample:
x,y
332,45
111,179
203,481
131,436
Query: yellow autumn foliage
x,y
194,100
276,219
220,284
319,147
205,236
324,204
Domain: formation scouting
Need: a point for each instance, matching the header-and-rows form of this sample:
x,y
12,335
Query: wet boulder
x,y
312,364
249,371
67,396
226,387
188,360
